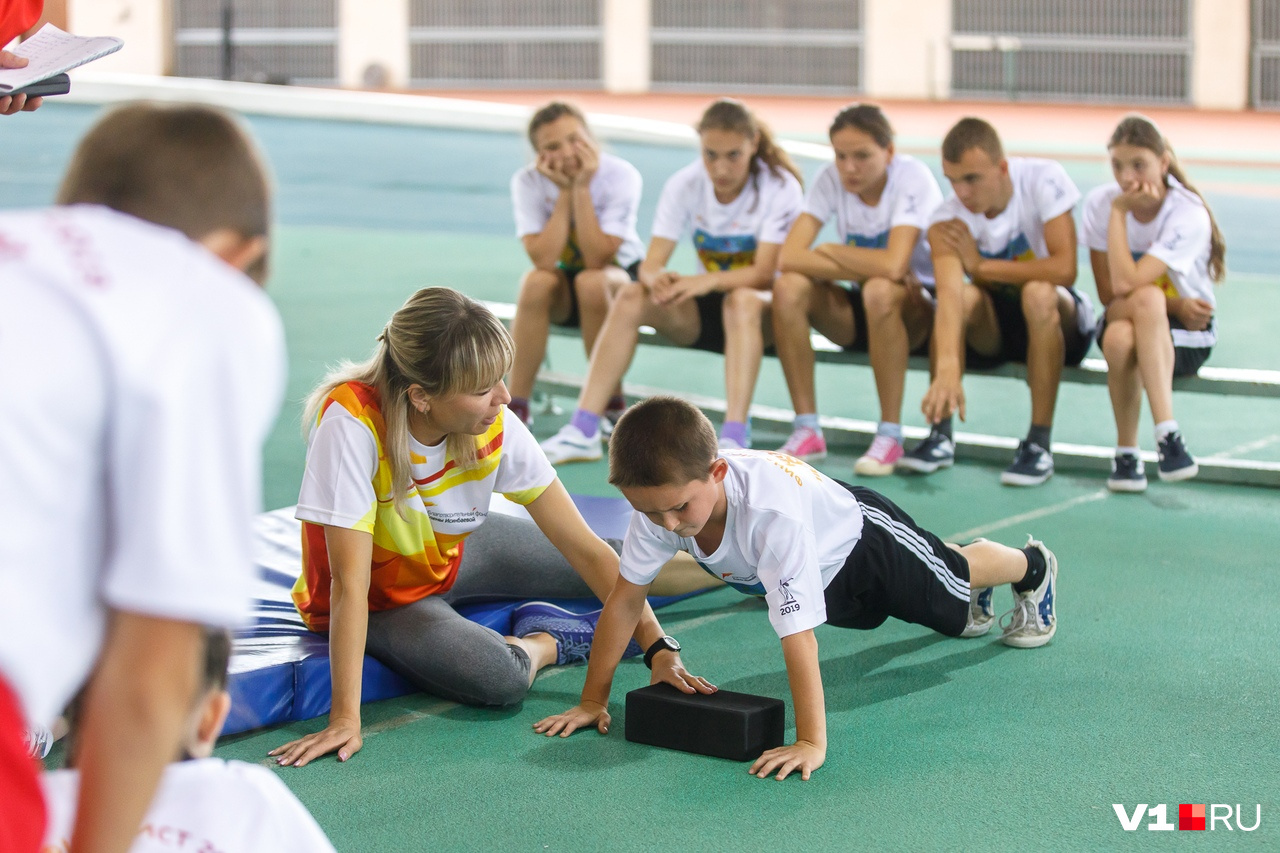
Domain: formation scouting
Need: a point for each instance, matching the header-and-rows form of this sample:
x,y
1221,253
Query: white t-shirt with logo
x,y
1179,236
1042,191
789,530
342,459
910,194
202,806
139,376
615,195
726,236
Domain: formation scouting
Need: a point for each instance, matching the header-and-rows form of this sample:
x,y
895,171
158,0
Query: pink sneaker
x,y
806,444
879,459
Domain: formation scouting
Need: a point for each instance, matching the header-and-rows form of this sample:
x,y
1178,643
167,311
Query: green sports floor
x,y
1160,687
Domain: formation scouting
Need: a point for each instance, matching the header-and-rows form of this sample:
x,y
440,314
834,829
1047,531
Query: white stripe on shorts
x,y
918,545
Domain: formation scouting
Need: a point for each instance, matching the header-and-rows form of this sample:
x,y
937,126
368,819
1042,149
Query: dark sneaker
x,y
936,451
573,632
1175,462
1127,474
1032,465
1033,620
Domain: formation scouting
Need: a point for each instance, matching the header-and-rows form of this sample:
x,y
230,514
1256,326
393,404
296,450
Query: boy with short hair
x,y
202,803
1004,260
816,549
142,370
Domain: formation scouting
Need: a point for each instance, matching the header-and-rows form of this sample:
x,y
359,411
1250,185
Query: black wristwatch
x,y
660,644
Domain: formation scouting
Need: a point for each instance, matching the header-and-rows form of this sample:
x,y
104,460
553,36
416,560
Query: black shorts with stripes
x,y
898,569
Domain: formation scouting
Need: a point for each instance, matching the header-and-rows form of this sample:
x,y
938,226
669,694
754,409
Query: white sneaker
x,y
1033,620
570,445
981,614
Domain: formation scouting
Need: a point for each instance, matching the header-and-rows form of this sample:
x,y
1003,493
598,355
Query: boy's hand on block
x,y
669,669
578,717
799,756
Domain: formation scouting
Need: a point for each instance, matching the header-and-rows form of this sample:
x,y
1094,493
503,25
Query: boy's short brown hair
x,y
661,441
971,133
184,166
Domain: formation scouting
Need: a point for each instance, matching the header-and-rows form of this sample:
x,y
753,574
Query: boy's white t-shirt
x,y
202,805
140,376
726,236
1042,191
615,194
910,195
1179,236
788,532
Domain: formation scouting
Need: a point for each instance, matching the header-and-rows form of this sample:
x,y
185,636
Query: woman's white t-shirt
x,y
615,195
910,194
726,236
1179,236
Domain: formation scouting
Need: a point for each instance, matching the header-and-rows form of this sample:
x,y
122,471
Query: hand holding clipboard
x,y
45,58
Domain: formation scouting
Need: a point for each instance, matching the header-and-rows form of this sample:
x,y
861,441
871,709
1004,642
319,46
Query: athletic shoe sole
x,y
868,467
1009,478
1181,474
920,466
1131,487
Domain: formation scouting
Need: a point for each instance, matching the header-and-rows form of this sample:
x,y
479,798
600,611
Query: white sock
x,y
1164,428
1132,451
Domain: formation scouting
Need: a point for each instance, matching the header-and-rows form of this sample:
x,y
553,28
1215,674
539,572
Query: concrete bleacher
x,y
849,433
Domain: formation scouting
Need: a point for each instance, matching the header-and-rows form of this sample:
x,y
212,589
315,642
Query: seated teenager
x,y
1156,254
738,202
880,202
1004,262
575,210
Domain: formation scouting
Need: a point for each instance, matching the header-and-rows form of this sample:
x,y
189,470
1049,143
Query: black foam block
x,y
724,724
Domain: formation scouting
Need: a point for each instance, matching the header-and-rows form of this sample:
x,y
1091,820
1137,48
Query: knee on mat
x,y
500,690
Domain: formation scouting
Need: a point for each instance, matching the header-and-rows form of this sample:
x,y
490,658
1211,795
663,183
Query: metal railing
x,y
1072,50
268,41
757,45
468,43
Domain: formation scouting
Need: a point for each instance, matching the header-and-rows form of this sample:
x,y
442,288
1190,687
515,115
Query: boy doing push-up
x,y
816,549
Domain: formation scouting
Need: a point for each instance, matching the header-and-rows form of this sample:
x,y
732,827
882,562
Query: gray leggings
x,y
447,655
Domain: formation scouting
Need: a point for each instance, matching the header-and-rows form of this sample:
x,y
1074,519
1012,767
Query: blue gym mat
x,y
279,670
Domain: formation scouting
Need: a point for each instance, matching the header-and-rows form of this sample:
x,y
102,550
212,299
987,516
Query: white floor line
x,y
699,621
1247,447
1053,509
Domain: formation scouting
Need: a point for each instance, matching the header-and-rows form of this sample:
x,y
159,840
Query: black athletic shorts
x,y
898,569
854,294
574,320
1187,361
1007,302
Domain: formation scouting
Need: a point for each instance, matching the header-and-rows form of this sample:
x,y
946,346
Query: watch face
x,y
670,643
